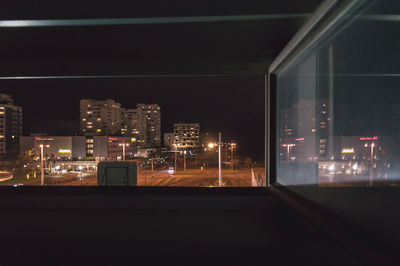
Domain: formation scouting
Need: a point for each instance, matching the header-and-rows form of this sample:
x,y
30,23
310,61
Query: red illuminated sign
x,y
300,139
369,138
41,139
109,138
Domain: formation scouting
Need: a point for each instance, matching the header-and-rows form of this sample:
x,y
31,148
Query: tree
x,y
27,161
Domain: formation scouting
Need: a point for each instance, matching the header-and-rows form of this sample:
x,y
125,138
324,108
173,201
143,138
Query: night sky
x,y
237,53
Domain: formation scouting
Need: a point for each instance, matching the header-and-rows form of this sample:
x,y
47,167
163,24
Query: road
x,y
337,180
160,177
4,176
203,178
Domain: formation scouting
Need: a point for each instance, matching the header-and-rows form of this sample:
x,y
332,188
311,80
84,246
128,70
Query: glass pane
x,y
339,103
167,125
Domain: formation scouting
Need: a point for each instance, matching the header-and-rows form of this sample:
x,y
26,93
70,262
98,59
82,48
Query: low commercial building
x,y
340,148
79,147
55,147
111,148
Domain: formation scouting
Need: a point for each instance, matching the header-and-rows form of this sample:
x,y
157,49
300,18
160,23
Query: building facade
x,y
169,140
187,135
309,119
107,118
100,117
109,147
79,147
10,125
55,147
148,125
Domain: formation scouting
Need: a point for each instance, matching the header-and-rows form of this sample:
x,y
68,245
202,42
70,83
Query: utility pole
x,y
42,163
184,160
219,159
81,170
175,156
372,164
232,147
41,166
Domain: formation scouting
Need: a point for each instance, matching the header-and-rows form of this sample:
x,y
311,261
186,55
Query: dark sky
x,y
237,51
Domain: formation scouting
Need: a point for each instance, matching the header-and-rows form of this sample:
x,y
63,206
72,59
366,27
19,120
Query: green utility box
x,y
117,174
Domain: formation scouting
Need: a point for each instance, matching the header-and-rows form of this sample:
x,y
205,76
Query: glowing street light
x,y
123,145
233,147
212,145
41,163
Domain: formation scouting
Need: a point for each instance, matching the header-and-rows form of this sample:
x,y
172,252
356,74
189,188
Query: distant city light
x,y
369,138
37,138
348,150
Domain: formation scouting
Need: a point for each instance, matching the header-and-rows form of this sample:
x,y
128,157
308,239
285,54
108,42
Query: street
x,y
163,177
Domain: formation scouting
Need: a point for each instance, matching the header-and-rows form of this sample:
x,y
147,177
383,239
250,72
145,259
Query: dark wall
x,y
104,226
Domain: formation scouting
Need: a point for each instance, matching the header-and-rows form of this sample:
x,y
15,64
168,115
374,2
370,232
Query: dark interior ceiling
x,y
219,47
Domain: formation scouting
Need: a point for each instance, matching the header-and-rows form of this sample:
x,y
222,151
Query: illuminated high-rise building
x,y
10,125
100,117
148,125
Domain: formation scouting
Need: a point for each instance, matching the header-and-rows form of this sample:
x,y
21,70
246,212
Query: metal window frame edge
x,y
306,32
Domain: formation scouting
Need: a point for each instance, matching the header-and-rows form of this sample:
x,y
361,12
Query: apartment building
x,y
100,117
187,135
10,125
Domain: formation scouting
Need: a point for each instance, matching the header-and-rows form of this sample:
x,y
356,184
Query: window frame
x,y
323,19
353,210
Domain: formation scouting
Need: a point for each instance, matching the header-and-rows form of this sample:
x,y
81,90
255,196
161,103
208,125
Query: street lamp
x,y
175,154
212,145
372,160
184,160
123,145
41,163
80,169
233,146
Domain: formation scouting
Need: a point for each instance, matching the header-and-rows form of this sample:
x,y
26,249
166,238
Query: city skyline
x,y
233,105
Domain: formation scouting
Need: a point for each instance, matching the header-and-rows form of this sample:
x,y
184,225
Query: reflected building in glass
x,y
305,131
